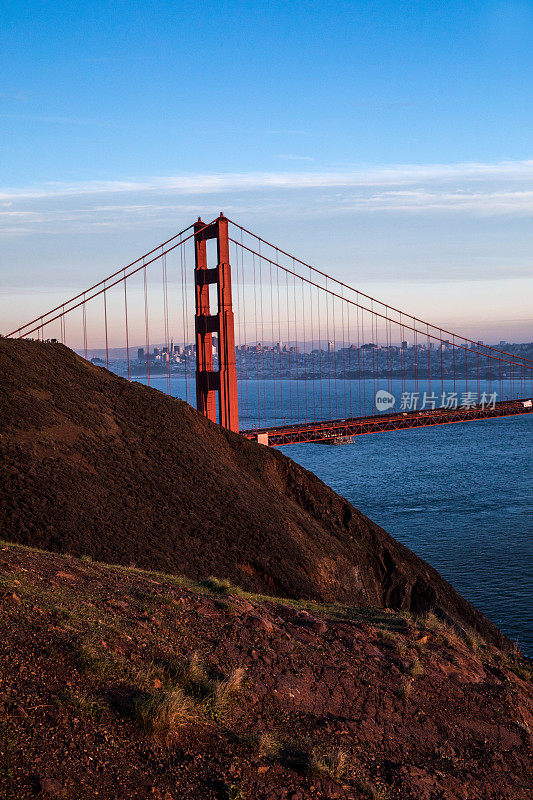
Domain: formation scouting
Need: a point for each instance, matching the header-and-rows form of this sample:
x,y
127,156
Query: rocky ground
x,y
119,683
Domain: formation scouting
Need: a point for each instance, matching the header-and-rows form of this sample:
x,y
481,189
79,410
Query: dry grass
x,y
516,663
432,623
86,704
269,746
194,695
416,669
195,678
220,585
406,688
162,713
334,765
214,692
394,641
224,691
473,641
101,662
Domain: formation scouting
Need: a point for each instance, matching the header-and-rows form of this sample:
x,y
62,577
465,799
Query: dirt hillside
x,y
118,683
91,464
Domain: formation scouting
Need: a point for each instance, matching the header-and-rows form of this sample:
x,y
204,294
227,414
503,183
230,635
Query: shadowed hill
x,y
93,464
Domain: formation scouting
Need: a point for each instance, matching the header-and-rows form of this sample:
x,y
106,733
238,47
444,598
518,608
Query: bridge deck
x,y
336,430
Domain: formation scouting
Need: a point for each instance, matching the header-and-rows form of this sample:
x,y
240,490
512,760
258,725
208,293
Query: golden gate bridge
x,y
245,292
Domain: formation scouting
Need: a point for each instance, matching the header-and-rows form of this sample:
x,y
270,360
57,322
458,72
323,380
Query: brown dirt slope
x,y
118,683
93,464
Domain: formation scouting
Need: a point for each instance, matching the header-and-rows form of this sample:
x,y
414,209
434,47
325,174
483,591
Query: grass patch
x,y
162,713
406,689
85,704
101,662
393,641
221,586
473,641
193,694
269,746
416,669
516,663
333,765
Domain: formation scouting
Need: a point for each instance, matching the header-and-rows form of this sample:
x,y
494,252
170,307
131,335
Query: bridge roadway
x,y
337,431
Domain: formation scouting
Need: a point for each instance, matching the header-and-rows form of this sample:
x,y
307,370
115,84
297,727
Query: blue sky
x,y
387,141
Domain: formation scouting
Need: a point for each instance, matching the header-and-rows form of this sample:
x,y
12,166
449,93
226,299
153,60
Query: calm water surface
x,y
460,496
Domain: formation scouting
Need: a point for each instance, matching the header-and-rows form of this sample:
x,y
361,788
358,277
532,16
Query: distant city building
x,y
405,344
140,354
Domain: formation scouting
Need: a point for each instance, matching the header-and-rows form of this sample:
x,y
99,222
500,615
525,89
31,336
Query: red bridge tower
x,y
208,380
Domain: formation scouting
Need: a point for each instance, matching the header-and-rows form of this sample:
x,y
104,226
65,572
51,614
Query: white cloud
x,y
490,202
398,175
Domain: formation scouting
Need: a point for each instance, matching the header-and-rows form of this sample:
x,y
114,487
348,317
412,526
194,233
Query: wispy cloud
x,y
490,202
475,189
214,183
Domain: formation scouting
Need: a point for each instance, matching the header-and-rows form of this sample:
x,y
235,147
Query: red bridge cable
x,y
357,291
84,329
273,336
239,346
256,346
343,360
96,285
312,352
377,313
147,334
105,324
441,371
358,361
280,340
126,326
96,294
262,335
428,341
318,296
289,342
296,354
165,319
